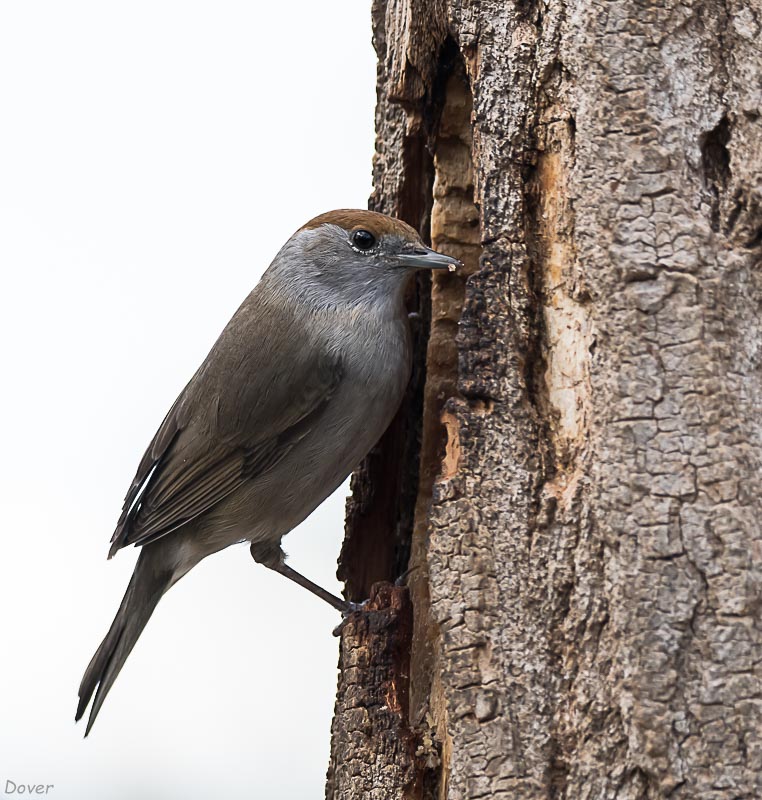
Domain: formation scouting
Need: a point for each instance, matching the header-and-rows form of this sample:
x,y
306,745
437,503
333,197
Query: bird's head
x,y
354,256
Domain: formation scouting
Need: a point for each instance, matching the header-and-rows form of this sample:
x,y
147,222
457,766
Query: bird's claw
x,y
349,609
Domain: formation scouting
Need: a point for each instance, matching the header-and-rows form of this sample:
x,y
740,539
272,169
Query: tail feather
x,y
144,591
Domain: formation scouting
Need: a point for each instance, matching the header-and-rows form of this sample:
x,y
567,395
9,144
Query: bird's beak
x,y
425,258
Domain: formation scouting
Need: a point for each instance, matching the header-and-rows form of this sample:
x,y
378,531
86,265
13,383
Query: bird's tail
x,y
148,583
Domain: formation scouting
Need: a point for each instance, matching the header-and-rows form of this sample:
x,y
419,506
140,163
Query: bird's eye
x,y
362,239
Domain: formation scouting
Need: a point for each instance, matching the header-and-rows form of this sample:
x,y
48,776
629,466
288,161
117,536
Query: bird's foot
x,y
349,608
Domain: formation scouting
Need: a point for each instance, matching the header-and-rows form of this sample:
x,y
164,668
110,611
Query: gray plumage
x,y
299,386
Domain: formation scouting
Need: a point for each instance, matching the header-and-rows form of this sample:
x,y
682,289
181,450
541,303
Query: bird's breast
x,y
376,369
377,360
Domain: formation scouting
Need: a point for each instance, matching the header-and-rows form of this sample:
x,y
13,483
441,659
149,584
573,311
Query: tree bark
x,y
575,475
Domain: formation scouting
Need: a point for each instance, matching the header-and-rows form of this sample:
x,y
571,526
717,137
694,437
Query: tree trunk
x,y
575,475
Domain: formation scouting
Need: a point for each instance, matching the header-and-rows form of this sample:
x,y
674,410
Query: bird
x,y
298,388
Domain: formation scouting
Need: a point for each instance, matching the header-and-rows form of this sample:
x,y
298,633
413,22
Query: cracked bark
x,y
575,474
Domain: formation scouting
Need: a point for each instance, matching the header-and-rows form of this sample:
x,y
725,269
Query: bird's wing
x,y
243,411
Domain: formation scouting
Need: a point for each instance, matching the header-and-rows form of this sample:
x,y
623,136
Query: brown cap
x,y
353,219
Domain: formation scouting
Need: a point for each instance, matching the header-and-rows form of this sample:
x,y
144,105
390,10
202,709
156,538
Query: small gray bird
x,y
298,388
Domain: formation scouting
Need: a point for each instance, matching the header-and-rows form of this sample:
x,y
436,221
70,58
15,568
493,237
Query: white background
x,y
153,158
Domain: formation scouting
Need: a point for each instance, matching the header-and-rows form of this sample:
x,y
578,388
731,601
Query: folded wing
x,y
240,415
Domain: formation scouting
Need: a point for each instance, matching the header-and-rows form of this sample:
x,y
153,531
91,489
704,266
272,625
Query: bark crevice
x,y
715,159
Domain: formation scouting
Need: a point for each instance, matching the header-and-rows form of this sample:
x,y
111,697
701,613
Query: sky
x,y
154,156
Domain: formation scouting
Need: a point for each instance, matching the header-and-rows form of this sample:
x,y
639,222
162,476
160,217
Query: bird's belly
x,y
278,500
317,466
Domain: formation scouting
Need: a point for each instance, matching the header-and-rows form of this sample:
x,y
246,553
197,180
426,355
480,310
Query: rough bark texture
x,y
576,476
372,702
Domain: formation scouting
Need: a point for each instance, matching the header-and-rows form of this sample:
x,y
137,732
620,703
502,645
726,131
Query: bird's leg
x,y
271,556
